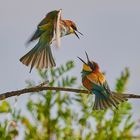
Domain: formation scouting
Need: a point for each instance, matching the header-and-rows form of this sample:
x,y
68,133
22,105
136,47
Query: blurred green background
x,y
111,37
66,116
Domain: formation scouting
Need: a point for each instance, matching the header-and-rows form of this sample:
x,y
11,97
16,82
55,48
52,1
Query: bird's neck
x,y
85,73
65,28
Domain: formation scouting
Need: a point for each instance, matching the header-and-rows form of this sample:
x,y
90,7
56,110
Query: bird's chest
x,y
87,83
97,78
64,30
91,80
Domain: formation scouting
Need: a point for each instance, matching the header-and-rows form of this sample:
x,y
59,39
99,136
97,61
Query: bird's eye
x,y
91,65
74,27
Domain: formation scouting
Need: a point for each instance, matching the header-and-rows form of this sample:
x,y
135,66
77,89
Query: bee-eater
x,y
49,29
94,80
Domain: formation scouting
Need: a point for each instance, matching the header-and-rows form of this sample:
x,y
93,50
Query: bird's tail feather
x,y
102,102
39,57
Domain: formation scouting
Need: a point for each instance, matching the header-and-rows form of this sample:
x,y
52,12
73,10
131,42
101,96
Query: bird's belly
x,y
87,84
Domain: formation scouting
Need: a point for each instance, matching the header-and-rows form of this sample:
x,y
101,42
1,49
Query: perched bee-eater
x,y
51,28
94,80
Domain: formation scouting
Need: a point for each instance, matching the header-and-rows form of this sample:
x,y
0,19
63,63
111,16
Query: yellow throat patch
x,y
86,67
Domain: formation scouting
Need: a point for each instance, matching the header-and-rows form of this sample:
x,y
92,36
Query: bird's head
x,y
89,66
73,28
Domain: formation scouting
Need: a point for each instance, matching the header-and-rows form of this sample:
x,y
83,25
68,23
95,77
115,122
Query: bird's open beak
x,y
87,59
82,60
77,34
87,56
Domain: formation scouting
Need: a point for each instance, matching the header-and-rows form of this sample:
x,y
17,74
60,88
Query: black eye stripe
x,y
91,65
74,27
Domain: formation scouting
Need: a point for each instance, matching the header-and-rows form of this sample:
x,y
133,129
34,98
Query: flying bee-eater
x,y
94,80
51,28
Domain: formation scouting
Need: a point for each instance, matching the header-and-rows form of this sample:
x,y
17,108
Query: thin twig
x,y
41,88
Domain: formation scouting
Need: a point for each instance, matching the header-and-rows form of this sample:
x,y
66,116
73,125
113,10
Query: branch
x,y
43,86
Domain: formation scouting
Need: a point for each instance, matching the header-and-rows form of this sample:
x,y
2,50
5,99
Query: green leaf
x,y
5,107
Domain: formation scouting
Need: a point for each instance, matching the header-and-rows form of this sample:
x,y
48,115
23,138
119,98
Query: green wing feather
x,y
51,16
104,98
44,25
40,56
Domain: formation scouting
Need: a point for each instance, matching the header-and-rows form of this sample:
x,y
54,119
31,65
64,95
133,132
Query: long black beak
x,y
87,56
87,59
82,60
76,35
79,32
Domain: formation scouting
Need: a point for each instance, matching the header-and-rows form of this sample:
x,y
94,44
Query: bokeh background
x,y
111,37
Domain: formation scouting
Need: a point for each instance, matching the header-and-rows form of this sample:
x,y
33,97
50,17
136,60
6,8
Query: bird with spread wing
x,y
50,29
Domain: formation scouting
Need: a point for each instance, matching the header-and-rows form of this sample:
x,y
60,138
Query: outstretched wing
x,y
49,17
43,25
58,32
